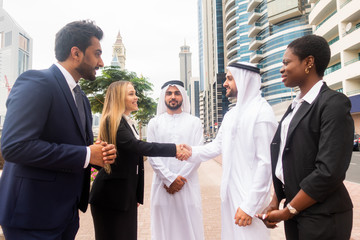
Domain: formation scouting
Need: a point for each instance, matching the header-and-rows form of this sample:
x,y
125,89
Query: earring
x,y
307,70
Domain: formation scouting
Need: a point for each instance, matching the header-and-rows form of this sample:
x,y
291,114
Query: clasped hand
x,y
176,185
183,152
102,153
271,216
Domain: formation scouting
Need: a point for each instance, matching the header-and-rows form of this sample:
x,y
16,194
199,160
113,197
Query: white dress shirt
x,y
72,84
297,102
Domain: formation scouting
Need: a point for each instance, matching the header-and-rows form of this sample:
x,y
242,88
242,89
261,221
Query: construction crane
x,y
7,85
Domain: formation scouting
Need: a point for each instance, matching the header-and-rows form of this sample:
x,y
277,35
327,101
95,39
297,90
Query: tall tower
x,y
119,53
185,65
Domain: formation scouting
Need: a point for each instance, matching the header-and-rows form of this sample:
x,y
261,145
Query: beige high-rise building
x,y
15,56
338,21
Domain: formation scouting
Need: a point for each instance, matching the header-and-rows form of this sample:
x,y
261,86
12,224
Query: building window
x,y
23,62
23,43
8,39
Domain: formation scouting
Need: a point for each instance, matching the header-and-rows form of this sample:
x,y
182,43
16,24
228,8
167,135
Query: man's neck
x,y
71,70
172,112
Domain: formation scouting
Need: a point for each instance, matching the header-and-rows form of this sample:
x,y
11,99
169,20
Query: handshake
x,y
183,152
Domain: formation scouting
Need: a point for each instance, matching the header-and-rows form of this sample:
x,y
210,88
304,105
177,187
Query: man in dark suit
x,y
47,141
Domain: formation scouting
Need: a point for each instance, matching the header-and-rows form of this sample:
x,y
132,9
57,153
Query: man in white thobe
x,y
175,196
244,141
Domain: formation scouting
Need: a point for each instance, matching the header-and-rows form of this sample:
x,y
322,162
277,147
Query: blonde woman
x,y
115,196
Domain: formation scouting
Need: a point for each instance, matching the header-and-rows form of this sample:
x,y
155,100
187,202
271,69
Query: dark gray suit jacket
x,y
317,153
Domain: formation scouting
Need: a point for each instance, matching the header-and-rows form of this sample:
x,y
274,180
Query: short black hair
x,y
315,46
75,34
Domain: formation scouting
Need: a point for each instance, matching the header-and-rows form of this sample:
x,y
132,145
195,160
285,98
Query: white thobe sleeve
x,y
208,151
166,176
260,187
198,140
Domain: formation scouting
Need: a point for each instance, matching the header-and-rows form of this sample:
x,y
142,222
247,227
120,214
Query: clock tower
x,y
119,53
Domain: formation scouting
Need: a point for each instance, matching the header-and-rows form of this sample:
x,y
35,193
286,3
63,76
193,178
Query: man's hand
x,y
242,219
102,153
183,152
176,185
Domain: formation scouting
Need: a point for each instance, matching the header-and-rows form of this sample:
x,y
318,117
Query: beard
x,y
86,71
175,106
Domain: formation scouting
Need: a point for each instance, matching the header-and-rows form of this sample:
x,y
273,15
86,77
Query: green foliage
x,y
96,90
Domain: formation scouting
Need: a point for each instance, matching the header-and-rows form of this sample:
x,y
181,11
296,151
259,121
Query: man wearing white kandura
x,y
175,196
244,141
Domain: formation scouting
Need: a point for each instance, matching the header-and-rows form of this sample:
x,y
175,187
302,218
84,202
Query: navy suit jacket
x,y
44,181
317,153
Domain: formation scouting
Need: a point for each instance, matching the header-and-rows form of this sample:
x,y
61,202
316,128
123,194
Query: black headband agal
x,y
246,67
173,82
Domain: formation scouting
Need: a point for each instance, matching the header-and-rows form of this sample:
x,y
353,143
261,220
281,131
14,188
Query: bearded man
x,y
175,196
244,141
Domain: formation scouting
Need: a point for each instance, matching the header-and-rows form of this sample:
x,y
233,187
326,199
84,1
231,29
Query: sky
x,y
152,31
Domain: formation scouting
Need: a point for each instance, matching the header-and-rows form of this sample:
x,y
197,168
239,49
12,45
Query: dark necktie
x,y
80,105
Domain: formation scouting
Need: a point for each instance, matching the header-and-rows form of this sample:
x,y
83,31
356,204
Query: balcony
x,y
321,10
332,68
230,10
231,21
255,29
232,30
232,50
253,4
232,39
256,56
327,18
255,43
255,15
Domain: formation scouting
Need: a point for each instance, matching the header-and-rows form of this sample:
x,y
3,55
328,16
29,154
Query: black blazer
x,y
317,152
125,184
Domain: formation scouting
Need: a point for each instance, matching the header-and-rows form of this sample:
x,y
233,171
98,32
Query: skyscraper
x,y
274,24
185,65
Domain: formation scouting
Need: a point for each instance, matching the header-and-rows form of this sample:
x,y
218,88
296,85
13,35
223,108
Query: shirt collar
x,y
310,95
69,79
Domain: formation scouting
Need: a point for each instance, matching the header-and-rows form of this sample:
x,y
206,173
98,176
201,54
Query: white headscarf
x,y
161,107
244,117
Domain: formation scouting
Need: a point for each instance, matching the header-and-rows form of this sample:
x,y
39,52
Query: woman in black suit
x,y
311,150
118,190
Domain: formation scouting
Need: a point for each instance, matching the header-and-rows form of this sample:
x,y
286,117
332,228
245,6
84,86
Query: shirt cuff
x,y
87,159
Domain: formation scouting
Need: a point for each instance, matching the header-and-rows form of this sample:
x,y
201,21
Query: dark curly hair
x,y
75,34
312,45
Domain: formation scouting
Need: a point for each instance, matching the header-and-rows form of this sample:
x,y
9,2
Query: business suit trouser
x,y
305,226
66,232
114,224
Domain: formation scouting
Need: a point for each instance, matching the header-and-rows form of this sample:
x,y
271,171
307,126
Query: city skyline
x,y
152,33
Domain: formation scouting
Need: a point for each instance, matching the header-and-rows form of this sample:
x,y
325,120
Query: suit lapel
x,y
128,127
299,115
68,96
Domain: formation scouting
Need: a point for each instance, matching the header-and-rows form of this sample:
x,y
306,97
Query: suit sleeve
x,y
334,149
28,108
126,141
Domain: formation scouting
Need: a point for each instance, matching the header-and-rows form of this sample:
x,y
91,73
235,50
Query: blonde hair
x,y
114,108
